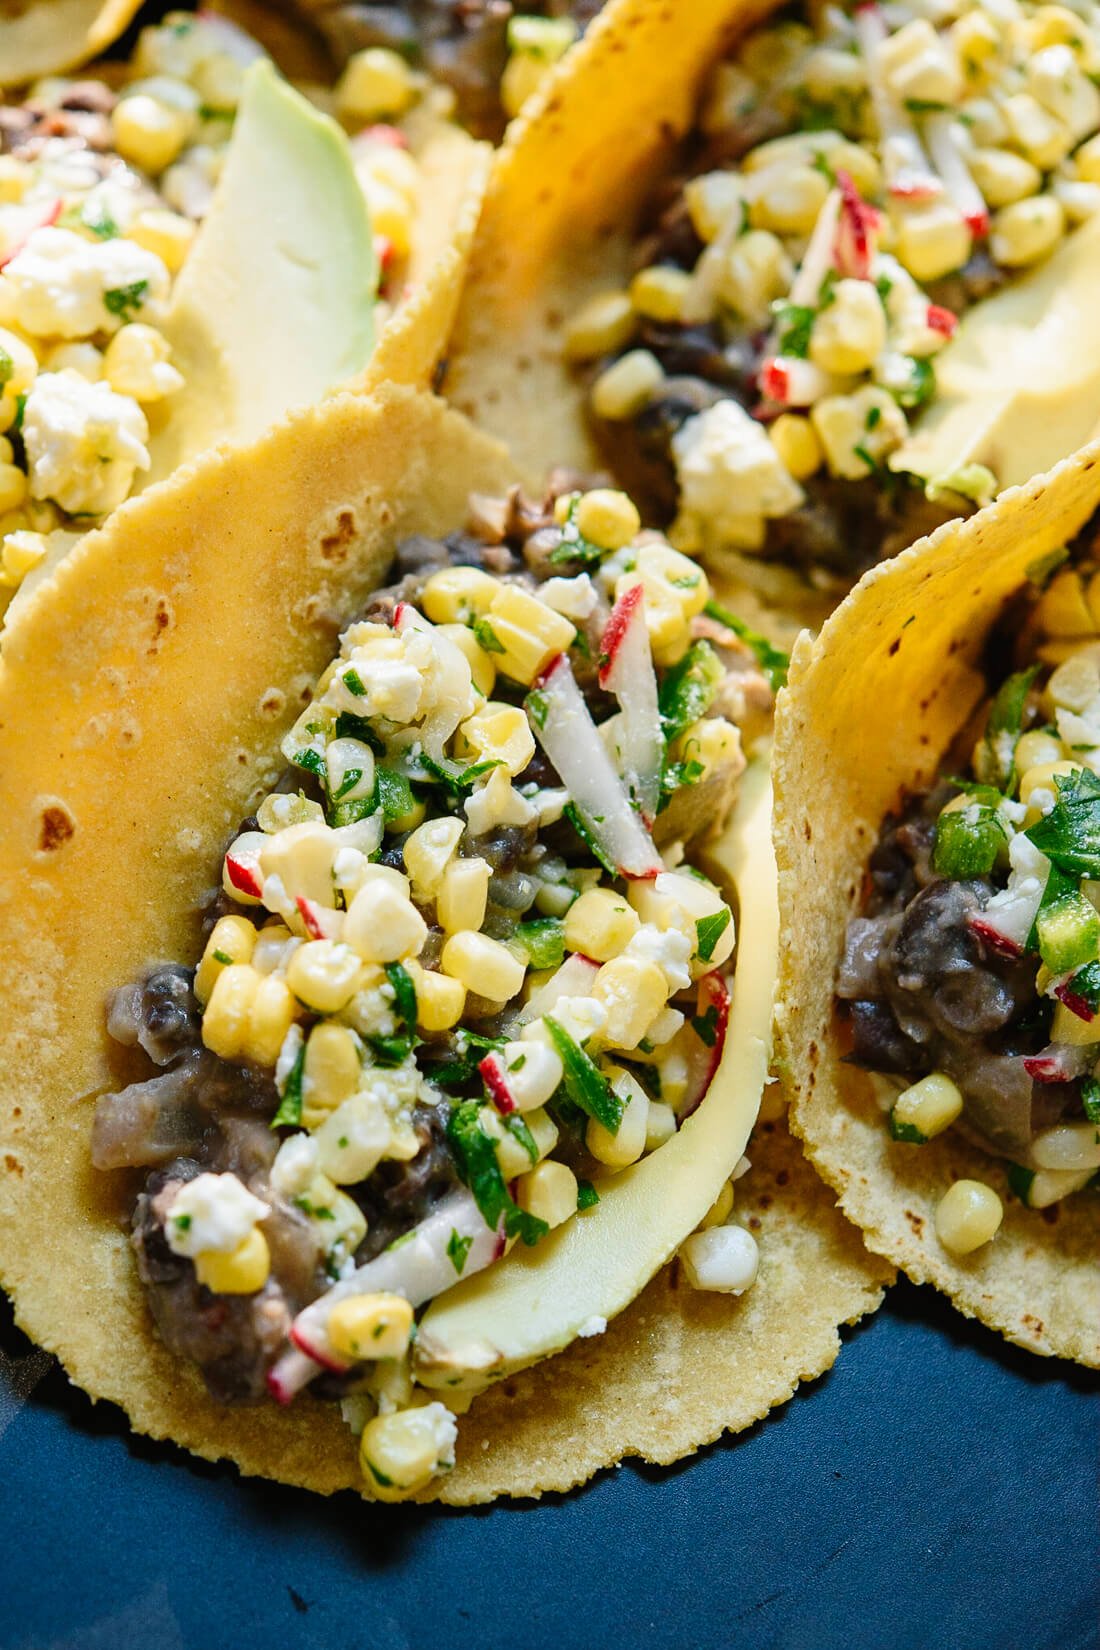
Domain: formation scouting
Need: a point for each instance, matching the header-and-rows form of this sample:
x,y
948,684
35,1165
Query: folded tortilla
x,y
49,36
871,708
123,772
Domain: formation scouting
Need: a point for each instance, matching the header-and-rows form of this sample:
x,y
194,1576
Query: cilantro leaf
x,y
772,660
458,1248
688,690
125,301
709,931
583,1081
587,1195
793,325
476,1162
1090,1098
996,764
1069,834
289,1114
486,637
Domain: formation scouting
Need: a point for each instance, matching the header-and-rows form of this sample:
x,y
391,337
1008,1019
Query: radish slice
x,y
290,1375
626,670
705,1057
419,1267
242,865
1076,1004
856,231
573,979
818,258
909,173
939,319
1059,1063
321,923
23,221
493,1071
945,144
570,738
791,381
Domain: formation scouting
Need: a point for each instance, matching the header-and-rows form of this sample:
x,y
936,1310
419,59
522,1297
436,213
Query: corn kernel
x,y
1063,608
926,1108
625,387
932,240
390,214
148,133
370,1326
377,84
19,553
660,1125
976,40
850,333
720,1210
1075,684
549,1192
530,633
633,992
429,851
1086,160
168,234
710,198
1027,230
659,292
440,1000
225,1022
967,1216
483,965
795,440
603,325
137,362
1043,777
1067,1147
600,924
269,1019
790,204
667,574
243,1272
627,1144
500,733
1004,177
458,594
15,175
325,974
20,363
1043,139
1037,749
712,742
607,517
400,1452
483,672
463,893
382,925
331,1072
13,487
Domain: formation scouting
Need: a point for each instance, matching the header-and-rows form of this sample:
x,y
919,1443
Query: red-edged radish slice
x,y
243,877
1006,921
493,1071
705,1057
791,381
909,173
22,223
419,1268
626,670
570,738
945,145
939,319
856,231
321,923
1076,1004
992,935
1059,1062
818,258
290,1375
573,979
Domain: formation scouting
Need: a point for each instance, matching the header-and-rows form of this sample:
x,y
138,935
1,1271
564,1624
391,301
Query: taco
x,y
187,250
810,287
458,1095
936,798
40,37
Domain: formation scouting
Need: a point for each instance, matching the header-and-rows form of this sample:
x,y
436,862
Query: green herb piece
x,y
543,939
996,763
1040,570
457,777
676,776
573,814
396,1048
969,840
1058,885
289,1114
709,931
793,324
486,637
518,1129
873,419
688,690
1068,931
125,301
350,813
394,793
1069,834
222,957
353,682
400,1242
1019,1181
587,1195
705,1026
458,1248
862,451
921,386
772,660
1085,983
182,1223
20,410
1090,1098
404,993
574,546
312,762
350,726
7,366
924,106
351,778
584,1083
476,1161
908,1132
536,705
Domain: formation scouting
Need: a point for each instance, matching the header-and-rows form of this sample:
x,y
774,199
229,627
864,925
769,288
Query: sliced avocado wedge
x,y
535,1301
275,305
1018,387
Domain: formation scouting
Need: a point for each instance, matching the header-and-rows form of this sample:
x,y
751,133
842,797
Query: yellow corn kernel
x,y
1086,160
529,632
225,1021
928,1107
370,1326
932,240
377,84
720,1210
1043,777
660,1125
394,167
1004,177
148,133
325,974
659,292
549,1192
137,362
19,552
440,1000
795,440
633,991
399,1453
627,1144
242,1272
1058,26
1075,684
624,388
713,742
710,198
976,40
483,672
382,925
24,363
458,594
1027,230
390,214
500,733
1068,1027
790,205
269,1019
13,487
429,851
483,965
15,175
607,517
604,324
168,234
330,1072
661,565
1037,749
1063,609
600,924
967,1216
463,894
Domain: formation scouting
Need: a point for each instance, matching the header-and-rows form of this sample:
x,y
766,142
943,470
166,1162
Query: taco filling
x,y
854,185
460,969
973,976
103,186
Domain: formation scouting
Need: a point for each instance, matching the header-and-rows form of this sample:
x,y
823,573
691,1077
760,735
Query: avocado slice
x,y
275,305
535,1301
1018,387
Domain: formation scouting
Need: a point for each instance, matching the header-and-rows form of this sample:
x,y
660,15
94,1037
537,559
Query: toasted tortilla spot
x,y
855,729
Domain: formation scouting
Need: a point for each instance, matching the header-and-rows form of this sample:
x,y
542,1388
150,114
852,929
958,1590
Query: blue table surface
x,y
937,1490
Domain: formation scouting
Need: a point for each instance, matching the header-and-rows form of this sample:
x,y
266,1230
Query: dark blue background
x,y
937,1490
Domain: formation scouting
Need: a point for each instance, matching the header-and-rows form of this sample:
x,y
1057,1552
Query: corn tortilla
x,y
50,36
871,708
123,771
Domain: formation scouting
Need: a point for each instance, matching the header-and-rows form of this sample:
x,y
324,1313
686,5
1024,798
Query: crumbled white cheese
x,y
84,443
581,1017
575,598
296,1165
444,1431
497,802
64,286
671,950
212,1214
391,688
731,477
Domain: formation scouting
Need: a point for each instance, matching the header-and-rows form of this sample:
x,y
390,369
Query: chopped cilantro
x,y
458,1247
705,1026
486,637
573,814
394,793
1019,1180
574,546
793,325
772,660
476,1161
182,1223
921,386
350,726
862,451
689,689
996,764
710,931
1090,1098
351,778
543,939
1069,835
518,1129
587,1195
874,417
536,707
20,408
924,106
354,682
289,1114
584,1083
404,993
125,301
7,366
677,775
222,957
312,761
907,1132
456,776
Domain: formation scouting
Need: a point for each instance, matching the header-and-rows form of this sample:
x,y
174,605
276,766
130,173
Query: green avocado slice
x,y
275,305
536,1301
